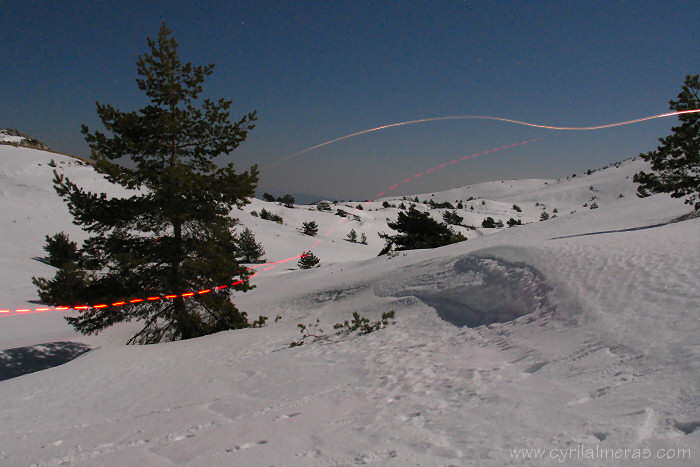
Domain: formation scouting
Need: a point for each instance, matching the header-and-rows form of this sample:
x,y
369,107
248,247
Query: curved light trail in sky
x,y
483,117
267,266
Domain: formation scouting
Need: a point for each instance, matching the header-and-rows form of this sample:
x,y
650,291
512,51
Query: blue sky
x,y
315,71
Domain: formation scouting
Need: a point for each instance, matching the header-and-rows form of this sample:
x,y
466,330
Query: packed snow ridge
x,y
572,333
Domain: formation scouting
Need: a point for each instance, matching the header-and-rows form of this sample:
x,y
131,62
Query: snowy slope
x,y
592,341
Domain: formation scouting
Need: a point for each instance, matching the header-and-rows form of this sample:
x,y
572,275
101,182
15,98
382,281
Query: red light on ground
x,y
406,180
100,306
136,300
23,310
42,309
236,283
153,298
201,292
81,307
118,303
430,170
380,194
218,288
187,294
4,311
62,308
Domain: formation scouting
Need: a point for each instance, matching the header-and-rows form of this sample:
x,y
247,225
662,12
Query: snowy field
x,y
574,335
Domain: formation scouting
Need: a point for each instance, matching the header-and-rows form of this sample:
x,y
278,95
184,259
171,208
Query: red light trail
x,y
23,311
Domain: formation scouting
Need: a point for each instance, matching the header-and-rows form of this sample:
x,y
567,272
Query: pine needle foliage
x,y
174,233
308,261
309,228
676,163
419,230
249,250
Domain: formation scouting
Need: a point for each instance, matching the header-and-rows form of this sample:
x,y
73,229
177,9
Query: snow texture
x,y
577,331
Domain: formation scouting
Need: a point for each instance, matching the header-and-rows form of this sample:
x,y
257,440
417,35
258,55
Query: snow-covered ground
x,y
588,340
7,138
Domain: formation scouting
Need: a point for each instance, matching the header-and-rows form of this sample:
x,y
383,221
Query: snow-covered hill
x,y
585,337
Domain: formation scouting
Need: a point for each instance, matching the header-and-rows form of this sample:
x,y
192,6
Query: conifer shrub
x,y
308,260
511,222
489,223
249,251
310,228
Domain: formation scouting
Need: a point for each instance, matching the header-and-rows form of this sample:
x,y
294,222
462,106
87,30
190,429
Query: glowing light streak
x,y
379,195
484,117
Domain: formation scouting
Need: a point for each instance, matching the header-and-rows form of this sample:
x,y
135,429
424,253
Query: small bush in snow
x,y
309,228
267,215
309,331
451,217
362,324
488,223
61,250
308,260
260,322
511,222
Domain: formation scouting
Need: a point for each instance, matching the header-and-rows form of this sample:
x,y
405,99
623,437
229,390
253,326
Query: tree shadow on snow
x,y
23,360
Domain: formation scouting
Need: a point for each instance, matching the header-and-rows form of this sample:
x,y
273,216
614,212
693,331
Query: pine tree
x,y
309,228
676,163
268,197
419,230
61,250
451,217
249,251
352,236
323,206
489,223
308,260
363,239
173,236
287,200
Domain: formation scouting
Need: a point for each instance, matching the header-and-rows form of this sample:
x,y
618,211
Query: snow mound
x,y
472,291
